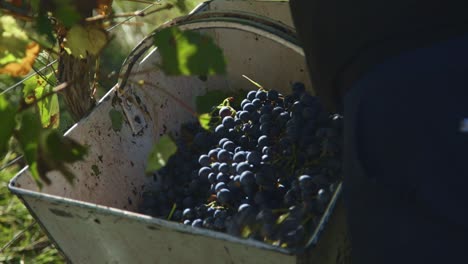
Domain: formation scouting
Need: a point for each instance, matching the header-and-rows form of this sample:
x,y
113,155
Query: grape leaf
x,y
204,120
160,154
84,40
116,119
7,117
48,107
188,53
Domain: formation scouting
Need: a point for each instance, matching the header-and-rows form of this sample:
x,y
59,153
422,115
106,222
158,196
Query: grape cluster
x,y
266,171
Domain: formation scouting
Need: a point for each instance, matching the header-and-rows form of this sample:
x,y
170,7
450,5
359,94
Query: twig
x,y
139,13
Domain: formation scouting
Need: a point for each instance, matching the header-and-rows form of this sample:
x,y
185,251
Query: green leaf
x,y
38,90
204,120
160,154
7,117
188,53
49,109
28,138
84,40
203,103
116,119
66,13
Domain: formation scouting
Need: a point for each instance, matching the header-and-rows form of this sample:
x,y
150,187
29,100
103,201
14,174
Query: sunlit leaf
x,y
7,117
84,40
116,119
188,53
160,154
48,107
204,120
39,91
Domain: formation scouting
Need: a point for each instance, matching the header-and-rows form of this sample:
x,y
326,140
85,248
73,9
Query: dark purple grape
x,y
241,167
188,213
220,131
243,208
219,186
272,95
177,216
197,223
247,178
323,196
187,222
245,101
212,177
263,141
257,103
224,196
224,155
261,95
266,158
221,177
213,153
228,122
244,116
224,168
306,182
204,160
222,141
224,111
229,146
220,214
251,95
239,156
203,172
249,107
277,111
266,110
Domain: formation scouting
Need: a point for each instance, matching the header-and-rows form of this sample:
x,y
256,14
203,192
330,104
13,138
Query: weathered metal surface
x,y
94,220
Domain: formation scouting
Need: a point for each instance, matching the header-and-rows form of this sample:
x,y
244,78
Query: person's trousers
x,y
406,158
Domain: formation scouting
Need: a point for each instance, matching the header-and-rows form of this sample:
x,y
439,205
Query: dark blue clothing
x,y
406,158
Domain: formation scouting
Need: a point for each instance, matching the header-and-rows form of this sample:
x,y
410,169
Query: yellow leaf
x,y
82,41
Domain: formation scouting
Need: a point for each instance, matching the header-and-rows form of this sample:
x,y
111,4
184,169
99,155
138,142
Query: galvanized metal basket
x,y
95,220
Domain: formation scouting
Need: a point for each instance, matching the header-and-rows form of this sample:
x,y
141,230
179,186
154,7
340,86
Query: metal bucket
x,y
95,220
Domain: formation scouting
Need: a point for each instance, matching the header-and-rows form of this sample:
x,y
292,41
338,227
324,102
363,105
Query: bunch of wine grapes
x,y
265,171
